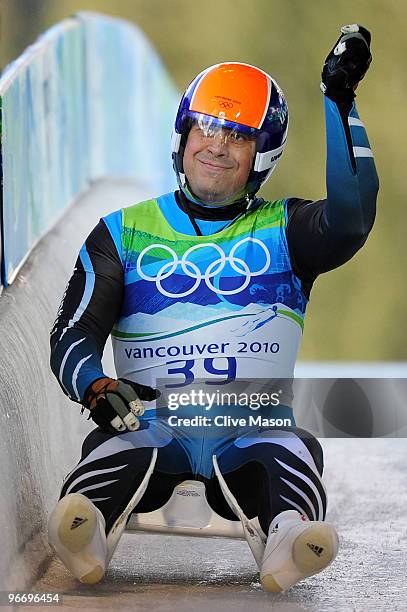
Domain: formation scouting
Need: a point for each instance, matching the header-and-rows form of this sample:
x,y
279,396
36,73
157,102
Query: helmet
x,y
237,97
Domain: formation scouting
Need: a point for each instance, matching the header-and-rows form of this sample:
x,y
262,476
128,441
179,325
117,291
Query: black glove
x,y
115,404
346,64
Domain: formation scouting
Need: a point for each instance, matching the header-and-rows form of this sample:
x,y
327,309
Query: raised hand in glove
x,y
346,64
115,404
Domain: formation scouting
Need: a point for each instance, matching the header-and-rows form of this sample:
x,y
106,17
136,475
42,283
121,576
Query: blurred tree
x,y
21,21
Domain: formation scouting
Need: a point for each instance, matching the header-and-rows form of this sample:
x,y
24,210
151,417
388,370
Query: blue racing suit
x,y
192,298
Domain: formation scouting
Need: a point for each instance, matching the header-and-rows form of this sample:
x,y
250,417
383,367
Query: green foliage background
x,y
356,312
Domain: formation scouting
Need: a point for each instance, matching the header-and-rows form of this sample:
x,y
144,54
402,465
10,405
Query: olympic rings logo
x,y
215,268
224,104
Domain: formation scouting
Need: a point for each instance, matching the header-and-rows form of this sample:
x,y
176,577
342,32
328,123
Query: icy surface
x,y
367,493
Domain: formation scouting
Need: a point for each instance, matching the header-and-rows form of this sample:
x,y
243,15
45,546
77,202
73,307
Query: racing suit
x,y
191,295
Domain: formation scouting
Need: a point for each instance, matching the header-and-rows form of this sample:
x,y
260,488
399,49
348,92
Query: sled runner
x,y
187,512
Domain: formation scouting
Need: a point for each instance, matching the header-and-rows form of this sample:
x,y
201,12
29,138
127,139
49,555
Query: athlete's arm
x,y
325,234
89,308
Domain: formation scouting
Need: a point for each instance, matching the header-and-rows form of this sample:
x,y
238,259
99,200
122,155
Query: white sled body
x,y
187,512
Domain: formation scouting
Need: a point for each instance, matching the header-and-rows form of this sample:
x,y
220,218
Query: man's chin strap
x,y
212,213
241,196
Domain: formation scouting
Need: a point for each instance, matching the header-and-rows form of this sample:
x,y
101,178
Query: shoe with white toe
x,y
76,531
296,549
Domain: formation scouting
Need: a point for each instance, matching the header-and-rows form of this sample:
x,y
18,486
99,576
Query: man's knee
x,y
292,439
95,438
313,445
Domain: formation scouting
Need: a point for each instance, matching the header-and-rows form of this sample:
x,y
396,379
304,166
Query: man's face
x,y
217,162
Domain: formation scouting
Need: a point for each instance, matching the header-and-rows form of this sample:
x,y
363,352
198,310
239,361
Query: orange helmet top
x,y
238,93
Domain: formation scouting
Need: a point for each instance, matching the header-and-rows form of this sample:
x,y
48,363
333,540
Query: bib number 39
x,y
185,368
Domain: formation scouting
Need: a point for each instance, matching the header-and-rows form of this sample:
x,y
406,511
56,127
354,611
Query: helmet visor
x,y
212,126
